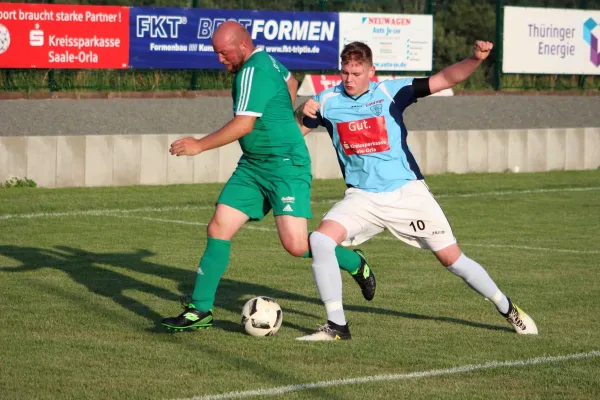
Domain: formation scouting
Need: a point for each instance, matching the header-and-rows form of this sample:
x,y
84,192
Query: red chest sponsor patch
x,y
364,136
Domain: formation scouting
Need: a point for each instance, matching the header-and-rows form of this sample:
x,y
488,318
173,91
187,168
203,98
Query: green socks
x,y
216,258
212,267
347,259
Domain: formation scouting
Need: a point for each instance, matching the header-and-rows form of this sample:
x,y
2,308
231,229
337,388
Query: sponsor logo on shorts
x,y
438,232
288,208
288,199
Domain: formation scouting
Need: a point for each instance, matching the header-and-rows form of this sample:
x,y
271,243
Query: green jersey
x,y
260,90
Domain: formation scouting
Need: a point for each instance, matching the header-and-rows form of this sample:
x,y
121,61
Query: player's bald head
x,y
233,45
232,33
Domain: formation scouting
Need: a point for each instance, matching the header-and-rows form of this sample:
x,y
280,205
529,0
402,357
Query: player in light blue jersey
x,y
386,189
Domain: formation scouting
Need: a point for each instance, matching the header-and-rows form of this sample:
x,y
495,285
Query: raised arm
x,y
456,73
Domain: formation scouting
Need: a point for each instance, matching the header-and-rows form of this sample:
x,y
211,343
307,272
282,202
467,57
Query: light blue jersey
x,y
369,135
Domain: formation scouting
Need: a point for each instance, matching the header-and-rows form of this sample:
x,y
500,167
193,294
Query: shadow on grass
x,y
86,268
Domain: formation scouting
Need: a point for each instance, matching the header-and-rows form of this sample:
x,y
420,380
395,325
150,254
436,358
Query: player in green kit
x,y
274,172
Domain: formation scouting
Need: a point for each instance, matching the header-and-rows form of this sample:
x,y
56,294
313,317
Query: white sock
x,y
328,278
478,279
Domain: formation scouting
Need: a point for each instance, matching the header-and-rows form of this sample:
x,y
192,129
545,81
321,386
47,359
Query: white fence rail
x,y
118,160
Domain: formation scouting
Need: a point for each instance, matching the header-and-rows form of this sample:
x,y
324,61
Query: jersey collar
x,y
257,50
340,89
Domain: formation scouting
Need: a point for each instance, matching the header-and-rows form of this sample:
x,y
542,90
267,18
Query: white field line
x,y
511,192
514,246
397,377
264,229
170,221
125,214
101,212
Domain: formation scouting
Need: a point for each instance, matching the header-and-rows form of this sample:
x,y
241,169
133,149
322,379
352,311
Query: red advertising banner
x,y
322,82
63,36
313,84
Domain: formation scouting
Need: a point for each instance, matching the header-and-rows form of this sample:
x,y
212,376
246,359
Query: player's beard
x,y
235,66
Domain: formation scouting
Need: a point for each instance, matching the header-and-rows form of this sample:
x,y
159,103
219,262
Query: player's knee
x,y
296,247
448,261
449,255
212,230
321,243
217,230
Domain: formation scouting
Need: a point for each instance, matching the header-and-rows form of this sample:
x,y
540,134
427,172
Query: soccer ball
x,y
4,39
261,316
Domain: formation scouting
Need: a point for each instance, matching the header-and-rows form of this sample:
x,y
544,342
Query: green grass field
x,y
86,274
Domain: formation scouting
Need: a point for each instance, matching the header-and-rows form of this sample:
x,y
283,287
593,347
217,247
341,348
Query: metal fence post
x,y
583,5
52,86
430,9
322,5
499,44
194,83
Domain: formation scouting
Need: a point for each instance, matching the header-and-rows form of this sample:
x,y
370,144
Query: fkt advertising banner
x,y
182,38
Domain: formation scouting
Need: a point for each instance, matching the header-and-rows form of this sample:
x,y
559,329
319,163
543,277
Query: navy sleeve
x,y
312,123
421,87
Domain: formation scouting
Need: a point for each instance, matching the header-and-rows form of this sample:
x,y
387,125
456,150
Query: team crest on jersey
x,y
376,109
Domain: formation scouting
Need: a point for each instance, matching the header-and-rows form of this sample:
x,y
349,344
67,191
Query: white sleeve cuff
x,y
250,113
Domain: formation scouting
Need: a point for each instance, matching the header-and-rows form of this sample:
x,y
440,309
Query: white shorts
x,y
410,213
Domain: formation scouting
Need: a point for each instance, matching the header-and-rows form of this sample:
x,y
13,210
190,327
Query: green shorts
x,y
284,188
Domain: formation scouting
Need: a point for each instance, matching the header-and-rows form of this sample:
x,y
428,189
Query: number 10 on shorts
x,y
420,225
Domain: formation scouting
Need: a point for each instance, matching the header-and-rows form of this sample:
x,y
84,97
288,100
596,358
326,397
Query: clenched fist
x,y
311,107
481,49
